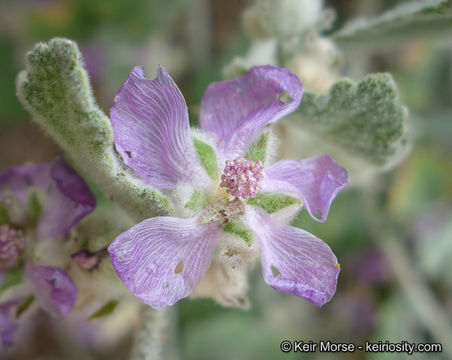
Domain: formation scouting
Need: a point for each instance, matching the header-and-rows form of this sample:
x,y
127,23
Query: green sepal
x,y
12,278
258,150
208,157
34,206
197,202
273,202
105,310
238,228
24,306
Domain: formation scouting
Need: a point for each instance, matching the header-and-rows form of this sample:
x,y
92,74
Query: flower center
x,y
11,246
241,177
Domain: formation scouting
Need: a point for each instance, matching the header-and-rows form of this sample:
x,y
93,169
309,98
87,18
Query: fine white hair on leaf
x,y
288,213
179,197
203,136
272,150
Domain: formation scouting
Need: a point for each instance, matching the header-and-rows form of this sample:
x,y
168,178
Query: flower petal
x,y
69,200
54,289
162,259
8,324
152,131
236,111
294,261
316,180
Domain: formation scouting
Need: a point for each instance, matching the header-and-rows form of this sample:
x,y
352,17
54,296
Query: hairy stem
x,y
155,337
429,310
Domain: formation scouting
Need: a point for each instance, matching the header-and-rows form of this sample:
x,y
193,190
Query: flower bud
x,y
289,17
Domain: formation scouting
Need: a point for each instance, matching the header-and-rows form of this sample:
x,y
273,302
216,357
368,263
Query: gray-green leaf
x,y
238,228
197,202
258,150
272,202
411,20
365,120
55,89
208,157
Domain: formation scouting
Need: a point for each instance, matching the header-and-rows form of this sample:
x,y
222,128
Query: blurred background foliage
x,y
193,40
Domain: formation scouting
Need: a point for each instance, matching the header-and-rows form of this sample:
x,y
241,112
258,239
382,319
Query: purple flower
x,y
39,202
54,289
163,259
67,197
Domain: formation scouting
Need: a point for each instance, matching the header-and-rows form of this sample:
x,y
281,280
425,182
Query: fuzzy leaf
x,y
272,202
238,228
55,89
34,206
258,150
412,20
365,120
208,157
197,202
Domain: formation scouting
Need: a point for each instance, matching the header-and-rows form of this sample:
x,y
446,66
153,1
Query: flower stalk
x,y
152,340
417,292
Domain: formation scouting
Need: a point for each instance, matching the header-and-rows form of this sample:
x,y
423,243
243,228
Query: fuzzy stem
x,y
154,338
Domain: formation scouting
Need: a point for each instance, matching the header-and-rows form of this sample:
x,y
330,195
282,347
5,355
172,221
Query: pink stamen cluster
x,y
241,177
11,245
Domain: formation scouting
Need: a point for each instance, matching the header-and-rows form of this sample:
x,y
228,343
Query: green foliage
x,y
105,310
55,89
409,21
208,157
258,149
24,305
34,206
197,202
12,278
238,228
272,202
365,120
